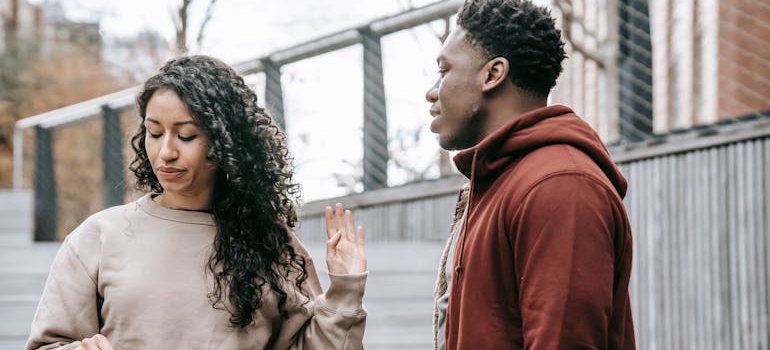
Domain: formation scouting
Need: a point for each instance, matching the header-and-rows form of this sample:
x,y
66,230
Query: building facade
x,y
643,67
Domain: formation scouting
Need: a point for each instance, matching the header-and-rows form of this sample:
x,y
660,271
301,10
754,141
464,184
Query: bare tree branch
x,y
206,19
444,161
568,20
181,27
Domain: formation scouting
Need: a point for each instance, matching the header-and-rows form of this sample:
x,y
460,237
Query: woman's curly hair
x,y
254,201
523,33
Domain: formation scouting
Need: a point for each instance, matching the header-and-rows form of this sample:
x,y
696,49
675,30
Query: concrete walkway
x,y
23,271
398,296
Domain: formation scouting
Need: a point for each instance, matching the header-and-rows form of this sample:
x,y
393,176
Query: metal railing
x,y
678,89
637,71
699,208
375,142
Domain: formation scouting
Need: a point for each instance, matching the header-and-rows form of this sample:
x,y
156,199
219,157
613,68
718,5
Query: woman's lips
x,y
169,173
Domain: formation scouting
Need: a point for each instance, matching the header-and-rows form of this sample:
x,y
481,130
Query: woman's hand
x,y
345,247
97,342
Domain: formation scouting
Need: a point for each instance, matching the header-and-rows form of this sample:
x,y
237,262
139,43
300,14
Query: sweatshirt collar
x,y
149,206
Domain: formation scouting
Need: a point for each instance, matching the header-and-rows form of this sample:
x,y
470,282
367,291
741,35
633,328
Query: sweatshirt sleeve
x,y
334,319
67,311
564,261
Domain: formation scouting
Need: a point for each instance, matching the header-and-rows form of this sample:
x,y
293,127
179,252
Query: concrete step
x,y
16,216
399,291
17,312
23,271
33,259
399,323
22,284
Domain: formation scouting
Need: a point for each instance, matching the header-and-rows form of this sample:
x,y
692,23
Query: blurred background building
x,y
641,68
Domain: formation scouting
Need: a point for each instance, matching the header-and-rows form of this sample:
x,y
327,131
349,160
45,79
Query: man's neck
x,y
510,104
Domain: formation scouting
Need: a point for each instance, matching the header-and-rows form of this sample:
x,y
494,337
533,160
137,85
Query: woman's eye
x,y
187,138
155,136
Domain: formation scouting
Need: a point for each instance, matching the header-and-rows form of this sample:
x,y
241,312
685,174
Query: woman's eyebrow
x,y
185,122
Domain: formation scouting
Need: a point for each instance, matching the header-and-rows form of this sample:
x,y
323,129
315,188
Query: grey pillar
x,y
635,70
112,158
274,92
375,114
45,187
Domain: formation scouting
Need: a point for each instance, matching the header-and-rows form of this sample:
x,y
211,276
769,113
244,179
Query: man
x,y
540,251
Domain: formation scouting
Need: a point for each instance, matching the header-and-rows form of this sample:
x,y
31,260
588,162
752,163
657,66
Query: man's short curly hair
x,y
521,32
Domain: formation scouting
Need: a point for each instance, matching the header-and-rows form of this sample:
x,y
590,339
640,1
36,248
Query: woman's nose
x,y
168,149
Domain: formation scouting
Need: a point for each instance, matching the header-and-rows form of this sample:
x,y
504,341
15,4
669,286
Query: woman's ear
x,y
496,73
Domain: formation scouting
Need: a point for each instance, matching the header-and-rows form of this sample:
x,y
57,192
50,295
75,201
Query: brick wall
x,y
744,57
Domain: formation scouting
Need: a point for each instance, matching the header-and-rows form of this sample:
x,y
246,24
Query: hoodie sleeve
x,y
67,311
564,259
334,319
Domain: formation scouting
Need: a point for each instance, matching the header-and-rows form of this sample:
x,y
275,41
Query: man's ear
x,y
495,73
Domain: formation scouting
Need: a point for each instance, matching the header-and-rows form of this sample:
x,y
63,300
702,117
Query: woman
x,y
207,259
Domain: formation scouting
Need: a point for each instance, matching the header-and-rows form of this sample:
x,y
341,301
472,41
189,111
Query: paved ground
x,y
23,270
398,296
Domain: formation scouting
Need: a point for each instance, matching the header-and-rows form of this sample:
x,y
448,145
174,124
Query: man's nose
x,y
432,94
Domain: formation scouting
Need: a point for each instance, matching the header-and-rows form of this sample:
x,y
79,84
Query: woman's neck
x,y
182,202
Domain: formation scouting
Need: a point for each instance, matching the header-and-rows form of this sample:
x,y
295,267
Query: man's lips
x,y
433,124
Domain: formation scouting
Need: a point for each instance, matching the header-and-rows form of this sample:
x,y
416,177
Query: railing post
x,y
112,158
45,187
375,115
635,70
274,92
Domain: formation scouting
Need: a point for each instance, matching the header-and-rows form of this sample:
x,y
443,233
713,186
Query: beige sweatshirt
x,y
137,274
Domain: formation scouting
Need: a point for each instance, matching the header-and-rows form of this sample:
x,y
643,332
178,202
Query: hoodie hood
x,y
535,129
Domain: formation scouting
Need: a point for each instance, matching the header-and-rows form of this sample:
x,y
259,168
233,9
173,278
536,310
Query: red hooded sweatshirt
x,y
543,260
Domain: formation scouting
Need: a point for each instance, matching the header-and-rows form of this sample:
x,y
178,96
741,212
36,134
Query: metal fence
x,y
700,215
68,186
637,71
678,89
699,209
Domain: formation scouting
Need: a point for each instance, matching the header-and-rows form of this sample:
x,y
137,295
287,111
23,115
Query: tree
x,y
406,139
182,24
39,74
444,163
14,60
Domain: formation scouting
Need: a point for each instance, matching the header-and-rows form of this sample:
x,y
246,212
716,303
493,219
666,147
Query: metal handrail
x,y
124,99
